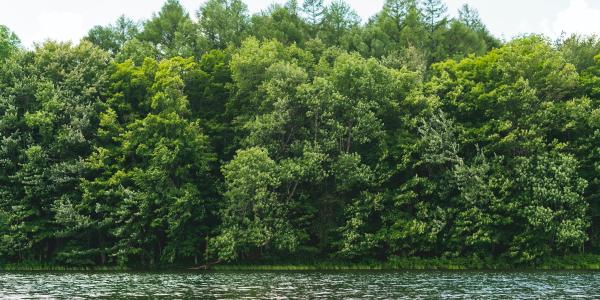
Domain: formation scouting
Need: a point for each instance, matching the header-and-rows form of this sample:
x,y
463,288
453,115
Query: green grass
x,y
580,262
54,267
298,267
577,262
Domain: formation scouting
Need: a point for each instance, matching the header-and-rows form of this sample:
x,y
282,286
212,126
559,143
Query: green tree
x,y
338,20
481,219
254,218
223,22
171,31
434,13
398,9
9,42
281,23
326,134
55,110
435,22
550,210
458,42
298,133
580,50
113,37
314,10
580,117
520,99
153,179
469,16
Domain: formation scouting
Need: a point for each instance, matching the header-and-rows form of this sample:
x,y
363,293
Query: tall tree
x,y
580,50
152,180
171,31
223,22
313,10
281,23
338,19
58,100
398,9
434,12
112,38
9,42
470,17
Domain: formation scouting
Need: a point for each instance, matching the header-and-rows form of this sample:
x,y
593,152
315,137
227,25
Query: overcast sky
x,y
38,20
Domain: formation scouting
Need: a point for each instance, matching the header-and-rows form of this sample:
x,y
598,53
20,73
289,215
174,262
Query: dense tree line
x,y
299,132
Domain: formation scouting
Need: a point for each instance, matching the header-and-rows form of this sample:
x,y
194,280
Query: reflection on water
x,y
303,285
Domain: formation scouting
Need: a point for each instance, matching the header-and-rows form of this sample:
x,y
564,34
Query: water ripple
x,y
302,285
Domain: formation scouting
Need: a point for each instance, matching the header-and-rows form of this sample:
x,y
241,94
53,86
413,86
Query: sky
x,y
38,20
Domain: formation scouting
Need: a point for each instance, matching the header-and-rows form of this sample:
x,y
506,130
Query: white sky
x,y
38,20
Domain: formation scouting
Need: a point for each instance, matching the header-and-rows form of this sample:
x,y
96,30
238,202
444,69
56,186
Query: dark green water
x,y
303,285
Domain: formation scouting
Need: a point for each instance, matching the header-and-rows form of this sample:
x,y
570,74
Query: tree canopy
x,y
300,132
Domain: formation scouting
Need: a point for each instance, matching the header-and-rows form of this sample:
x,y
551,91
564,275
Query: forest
x,y
298,133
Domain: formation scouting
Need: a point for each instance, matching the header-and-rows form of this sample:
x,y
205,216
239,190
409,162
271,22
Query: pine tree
x,y
470,17
314,10
434,12
398,9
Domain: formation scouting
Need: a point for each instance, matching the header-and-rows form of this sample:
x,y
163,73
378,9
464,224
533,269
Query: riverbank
x,y
579,262
18,267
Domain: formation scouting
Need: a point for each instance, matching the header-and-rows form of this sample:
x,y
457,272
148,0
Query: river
x,y
302,285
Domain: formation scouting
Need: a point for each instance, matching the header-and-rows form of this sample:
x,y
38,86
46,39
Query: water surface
x,y
302,285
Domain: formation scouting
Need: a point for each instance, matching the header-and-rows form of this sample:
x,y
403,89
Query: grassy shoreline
x,y
580,262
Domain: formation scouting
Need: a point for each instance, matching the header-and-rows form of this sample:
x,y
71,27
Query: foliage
x,y
9,43
223,22
300,134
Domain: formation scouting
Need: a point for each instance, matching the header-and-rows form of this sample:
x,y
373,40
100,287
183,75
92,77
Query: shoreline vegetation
x,y
575,263
300,138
